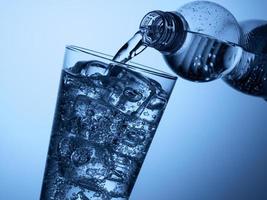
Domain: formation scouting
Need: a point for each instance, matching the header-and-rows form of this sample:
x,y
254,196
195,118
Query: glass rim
x,y
131,65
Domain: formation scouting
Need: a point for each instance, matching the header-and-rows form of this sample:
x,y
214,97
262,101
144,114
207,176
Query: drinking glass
x,y
106,116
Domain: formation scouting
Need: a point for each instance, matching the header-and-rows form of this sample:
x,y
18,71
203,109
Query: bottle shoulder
x,y
211,19
255,36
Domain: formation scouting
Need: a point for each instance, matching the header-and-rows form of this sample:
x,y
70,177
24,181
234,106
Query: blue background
x,y
211,143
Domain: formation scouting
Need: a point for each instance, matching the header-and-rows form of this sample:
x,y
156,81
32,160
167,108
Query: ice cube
x,y
158,88
116,89
87,68
74,85
118,127
77,193
116,189
123,175
156,105
140,124
133,143
86,78
100,125
79,114
93,120
124,169
87,165
135,140
154,109
82,107
129,91
73,101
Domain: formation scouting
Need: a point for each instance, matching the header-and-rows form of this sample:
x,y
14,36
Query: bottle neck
x,y
164,31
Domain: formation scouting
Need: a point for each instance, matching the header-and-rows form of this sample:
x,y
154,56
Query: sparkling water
x,y
105,120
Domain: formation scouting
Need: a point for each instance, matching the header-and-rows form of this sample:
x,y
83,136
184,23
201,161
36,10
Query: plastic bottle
x,y
202,41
